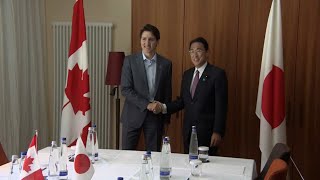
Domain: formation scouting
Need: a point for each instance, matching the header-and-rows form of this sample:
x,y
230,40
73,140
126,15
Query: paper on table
x,y
224,169
116,170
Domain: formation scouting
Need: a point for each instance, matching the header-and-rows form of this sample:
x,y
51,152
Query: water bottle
x,y
96,144
193,147
14,169
63,169
53,170
22,158
90,144
148,153
145,170
165,161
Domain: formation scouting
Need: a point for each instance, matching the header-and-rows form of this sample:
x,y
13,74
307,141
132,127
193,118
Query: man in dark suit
x,y
204,97
146,77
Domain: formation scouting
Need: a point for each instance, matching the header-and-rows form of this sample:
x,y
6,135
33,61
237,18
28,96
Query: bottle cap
x,y
23,153
203,148
195,162
144,157
94,126
148,152
120,178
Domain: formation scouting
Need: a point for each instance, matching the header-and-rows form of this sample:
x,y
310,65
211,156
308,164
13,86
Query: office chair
x,y
3,157
279,151
277,170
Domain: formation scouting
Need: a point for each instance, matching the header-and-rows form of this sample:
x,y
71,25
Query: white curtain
x,y
23,62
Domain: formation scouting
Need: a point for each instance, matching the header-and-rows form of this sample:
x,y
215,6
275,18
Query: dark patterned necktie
x,y
194,83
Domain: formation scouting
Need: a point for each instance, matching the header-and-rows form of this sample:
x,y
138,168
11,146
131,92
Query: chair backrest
x,y
277,170
3,157
279,151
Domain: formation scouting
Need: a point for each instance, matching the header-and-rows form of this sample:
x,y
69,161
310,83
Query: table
x,y
127,164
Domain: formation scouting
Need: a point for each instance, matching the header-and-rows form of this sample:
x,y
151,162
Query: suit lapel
x,y
189,81
158,73
143,73
201,83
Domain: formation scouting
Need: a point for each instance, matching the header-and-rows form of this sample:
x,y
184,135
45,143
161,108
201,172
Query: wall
x,y
112,11
235,31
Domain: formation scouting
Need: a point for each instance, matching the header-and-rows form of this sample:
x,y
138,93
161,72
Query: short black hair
x,y
154,30
200,40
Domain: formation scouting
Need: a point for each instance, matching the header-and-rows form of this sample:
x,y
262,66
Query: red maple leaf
x,y
77,86
27,162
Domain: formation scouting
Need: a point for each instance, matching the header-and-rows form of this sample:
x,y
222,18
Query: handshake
x,y
156,107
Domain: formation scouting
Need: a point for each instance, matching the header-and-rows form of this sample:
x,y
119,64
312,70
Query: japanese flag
x,y
83,169
31,167
271,94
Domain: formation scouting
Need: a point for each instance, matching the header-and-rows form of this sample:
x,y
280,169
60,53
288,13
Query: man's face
x,y
148,42
198,54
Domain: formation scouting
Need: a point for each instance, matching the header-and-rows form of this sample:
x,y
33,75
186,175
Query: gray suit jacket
x,y
134,86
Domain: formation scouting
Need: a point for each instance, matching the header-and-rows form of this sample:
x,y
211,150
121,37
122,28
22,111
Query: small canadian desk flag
x,y
83,169
31,167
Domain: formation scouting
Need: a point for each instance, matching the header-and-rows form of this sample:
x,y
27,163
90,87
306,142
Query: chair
x,y
277,170
3,157
279,151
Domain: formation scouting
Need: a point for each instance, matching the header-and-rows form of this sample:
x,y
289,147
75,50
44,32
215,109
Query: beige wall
x,y
117,12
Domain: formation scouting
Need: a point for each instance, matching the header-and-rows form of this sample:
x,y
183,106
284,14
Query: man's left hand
x,y
215,139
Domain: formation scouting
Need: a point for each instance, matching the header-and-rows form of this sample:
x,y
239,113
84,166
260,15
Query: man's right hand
x,y
155,107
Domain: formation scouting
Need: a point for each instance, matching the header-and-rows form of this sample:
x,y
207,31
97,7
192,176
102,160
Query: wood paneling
x,y
305,140
235,30
217,22
253,18
167,15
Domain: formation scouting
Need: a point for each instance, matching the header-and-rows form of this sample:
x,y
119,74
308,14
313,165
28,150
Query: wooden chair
x,y
3,157
277,170
279,151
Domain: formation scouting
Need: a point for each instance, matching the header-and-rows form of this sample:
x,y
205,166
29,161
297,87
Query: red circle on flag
x,y
81,163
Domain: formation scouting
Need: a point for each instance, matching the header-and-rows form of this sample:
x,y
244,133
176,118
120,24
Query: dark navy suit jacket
x,y
207,110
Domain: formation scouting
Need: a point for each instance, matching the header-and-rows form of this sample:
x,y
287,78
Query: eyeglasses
x,y
198,51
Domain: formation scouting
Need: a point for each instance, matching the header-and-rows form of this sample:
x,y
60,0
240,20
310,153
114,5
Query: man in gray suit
x,y
146,77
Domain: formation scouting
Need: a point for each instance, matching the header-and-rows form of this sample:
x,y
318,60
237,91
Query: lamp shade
x,y
115,62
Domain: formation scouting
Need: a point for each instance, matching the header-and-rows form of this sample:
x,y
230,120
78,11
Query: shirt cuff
x,y
164,109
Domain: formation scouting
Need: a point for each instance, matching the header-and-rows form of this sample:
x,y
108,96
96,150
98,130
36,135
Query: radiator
x,y
99,38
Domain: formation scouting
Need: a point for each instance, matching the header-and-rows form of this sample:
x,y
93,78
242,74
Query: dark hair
x,y
200,40
154,30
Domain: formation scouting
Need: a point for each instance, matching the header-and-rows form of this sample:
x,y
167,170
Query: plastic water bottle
x,y
53,170
193,147
150,165
63,169
14,169
90,144
145,170
96,144
22,158
165,161
148,153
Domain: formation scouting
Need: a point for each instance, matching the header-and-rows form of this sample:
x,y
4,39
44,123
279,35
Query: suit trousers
x,y
152,128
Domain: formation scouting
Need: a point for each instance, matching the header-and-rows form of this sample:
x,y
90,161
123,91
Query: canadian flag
x,y
82,164
76,116
271,94
31,167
